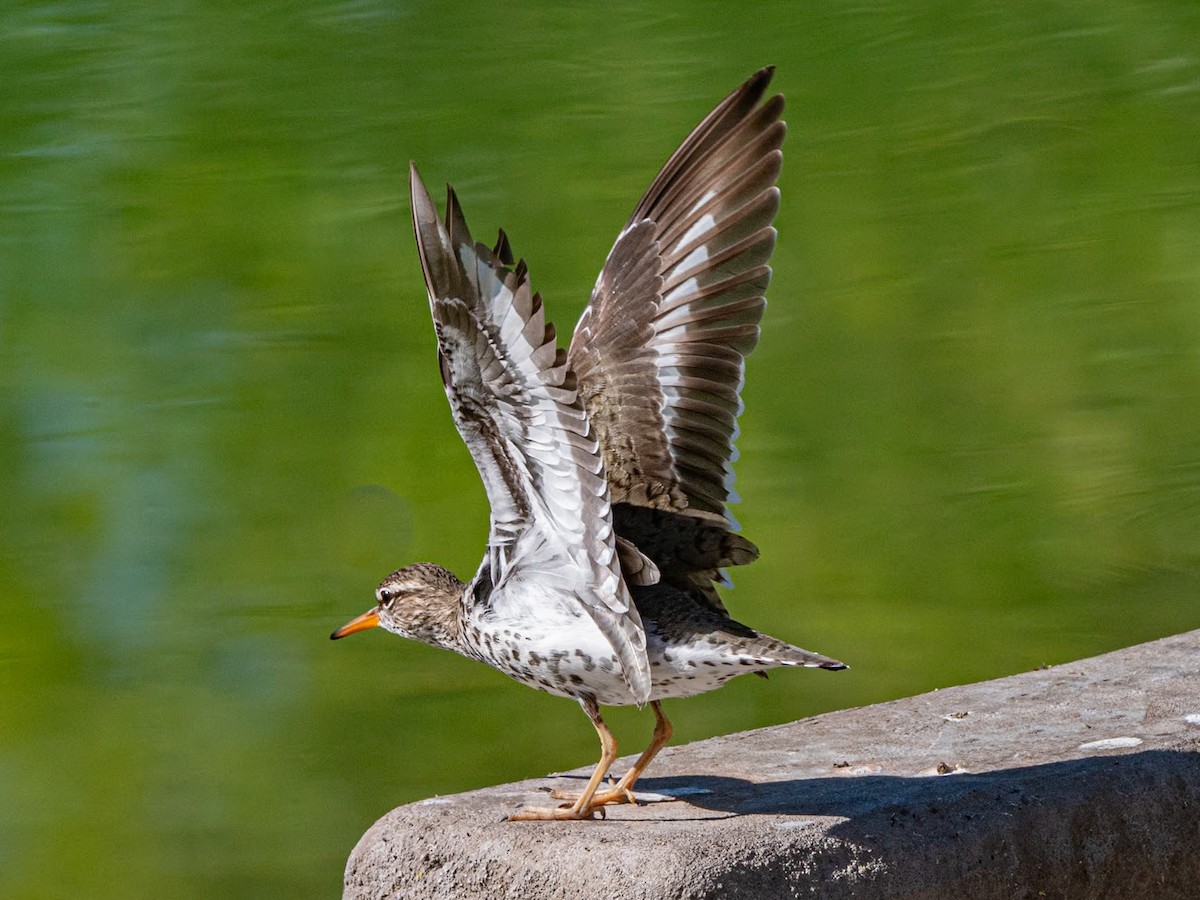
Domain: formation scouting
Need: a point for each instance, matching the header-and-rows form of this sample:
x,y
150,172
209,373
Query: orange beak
x,y
369,619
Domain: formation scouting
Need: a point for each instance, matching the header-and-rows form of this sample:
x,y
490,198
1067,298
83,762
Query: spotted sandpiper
x,y
608,466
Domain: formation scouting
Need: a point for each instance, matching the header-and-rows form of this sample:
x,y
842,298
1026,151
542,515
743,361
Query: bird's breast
x,y
557,649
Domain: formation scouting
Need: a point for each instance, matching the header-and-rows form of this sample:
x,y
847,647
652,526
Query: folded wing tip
x,y
638,680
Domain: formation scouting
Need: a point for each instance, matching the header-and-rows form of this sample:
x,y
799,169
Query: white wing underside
x,y
517,408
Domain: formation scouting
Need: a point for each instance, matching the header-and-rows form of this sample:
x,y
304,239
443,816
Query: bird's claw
x,y
564,813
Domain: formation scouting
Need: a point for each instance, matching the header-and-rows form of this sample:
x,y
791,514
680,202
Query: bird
x,y
608,465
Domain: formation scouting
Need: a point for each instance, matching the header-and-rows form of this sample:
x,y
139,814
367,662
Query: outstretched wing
x,y
660,349
516,405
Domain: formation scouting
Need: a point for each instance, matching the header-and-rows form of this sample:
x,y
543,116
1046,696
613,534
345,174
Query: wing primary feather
x,y
660,349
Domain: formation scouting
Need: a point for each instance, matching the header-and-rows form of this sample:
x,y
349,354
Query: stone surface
x,y
1081,780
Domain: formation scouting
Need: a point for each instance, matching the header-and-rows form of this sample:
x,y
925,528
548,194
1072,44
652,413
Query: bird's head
x,y
420,602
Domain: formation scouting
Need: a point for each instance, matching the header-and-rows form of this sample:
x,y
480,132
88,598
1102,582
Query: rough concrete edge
x,y
1110,821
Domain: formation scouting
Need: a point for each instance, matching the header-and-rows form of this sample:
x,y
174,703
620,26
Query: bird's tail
x,y
786,654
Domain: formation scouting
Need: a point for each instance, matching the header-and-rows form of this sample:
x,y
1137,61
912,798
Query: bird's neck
x,y
441,618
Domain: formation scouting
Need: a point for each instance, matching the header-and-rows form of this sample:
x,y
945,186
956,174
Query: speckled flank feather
x,y
691,647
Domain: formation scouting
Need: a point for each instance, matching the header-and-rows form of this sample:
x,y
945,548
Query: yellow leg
x,y
622,791
582,807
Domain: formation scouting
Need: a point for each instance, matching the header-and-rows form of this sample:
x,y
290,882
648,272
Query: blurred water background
x,y
971,444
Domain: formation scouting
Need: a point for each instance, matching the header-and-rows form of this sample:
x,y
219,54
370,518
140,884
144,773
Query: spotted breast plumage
x,y
608,466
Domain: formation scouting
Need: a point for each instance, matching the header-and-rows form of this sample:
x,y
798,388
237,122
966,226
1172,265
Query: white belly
x,y
563,653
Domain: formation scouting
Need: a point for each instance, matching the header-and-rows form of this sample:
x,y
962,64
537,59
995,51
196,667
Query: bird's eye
x,y
386,598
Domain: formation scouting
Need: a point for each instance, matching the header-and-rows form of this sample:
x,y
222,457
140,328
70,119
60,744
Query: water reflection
x,y
969,445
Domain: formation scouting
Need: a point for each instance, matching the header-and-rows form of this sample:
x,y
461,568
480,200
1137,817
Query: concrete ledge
x,y
1082,780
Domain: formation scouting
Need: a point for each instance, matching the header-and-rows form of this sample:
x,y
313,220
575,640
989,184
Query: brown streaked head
x,y
420,602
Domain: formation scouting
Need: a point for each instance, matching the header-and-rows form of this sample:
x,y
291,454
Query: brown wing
x,y
660,350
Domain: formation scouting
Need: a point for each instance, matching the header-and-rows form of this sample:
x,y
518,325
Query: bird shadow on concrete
x,y
1099,827
911,799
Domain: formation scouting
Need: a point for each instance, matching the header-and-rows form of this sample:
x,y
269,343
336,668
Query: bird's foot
x,y
575,809
568,812
614,794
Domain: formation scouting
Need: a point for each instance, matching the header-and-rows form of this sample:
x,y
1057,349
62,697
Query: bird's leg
x,y
582,807
622,791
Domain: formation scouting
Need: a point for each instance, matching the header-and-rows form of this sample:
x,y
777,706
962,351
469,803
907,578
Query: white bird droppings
x,y
1120,743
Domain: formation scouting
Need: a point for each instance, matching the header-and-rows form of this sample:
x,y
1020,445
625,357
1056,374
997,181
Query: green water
x,y
971,444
